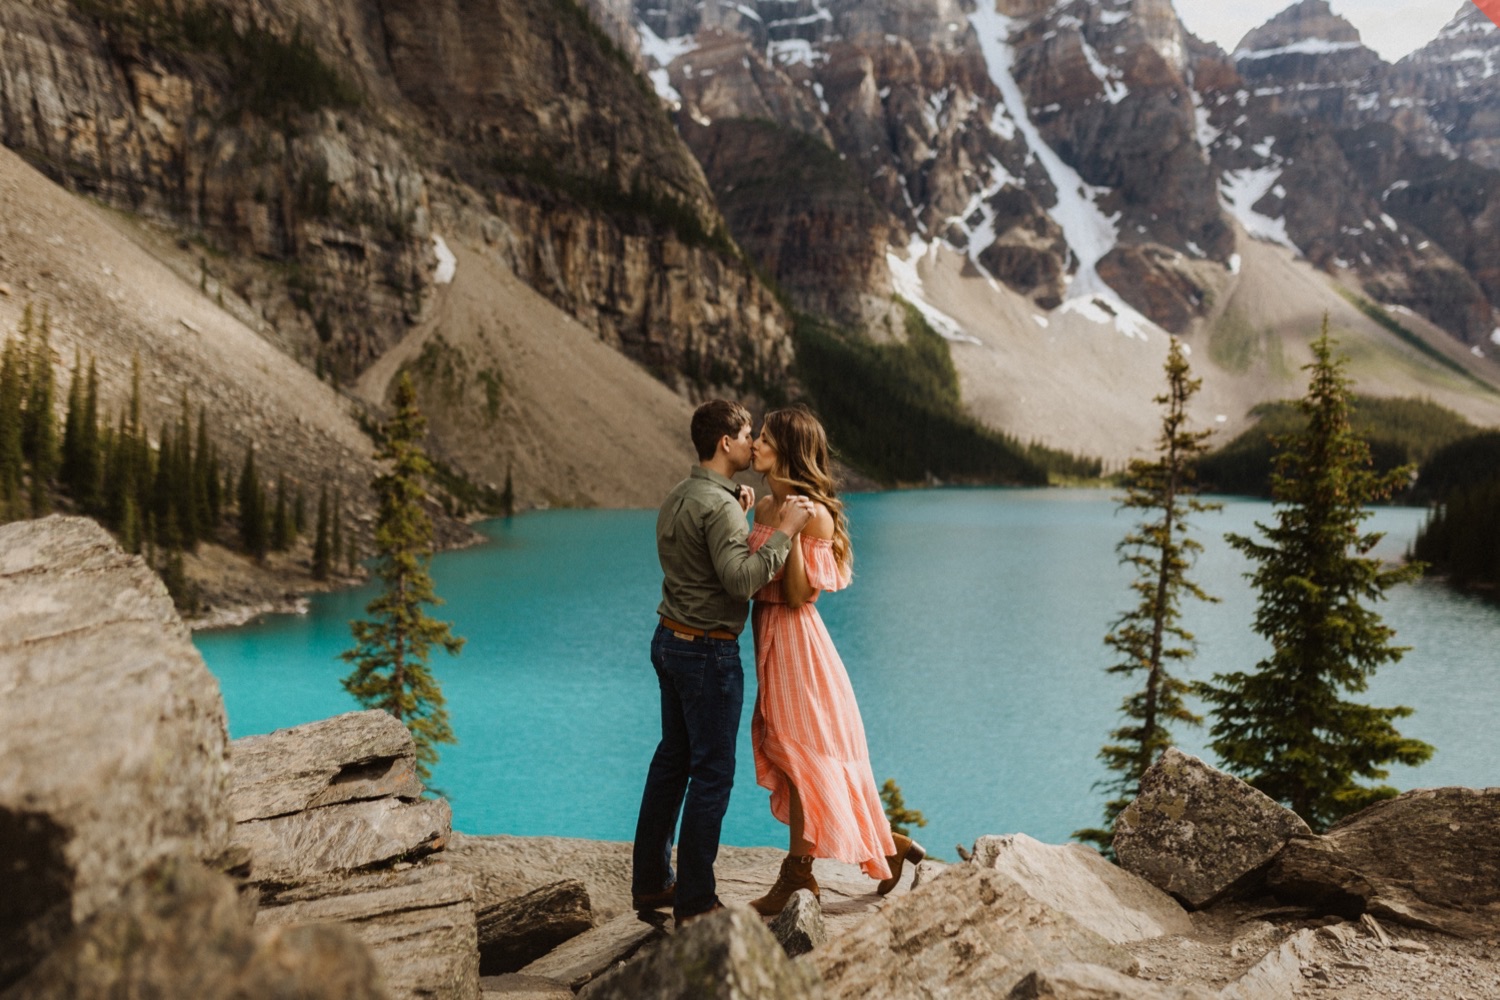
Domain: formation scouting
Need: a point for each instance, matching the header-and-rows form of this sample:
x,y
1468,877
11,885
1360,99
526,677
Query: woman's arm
x,y
794,582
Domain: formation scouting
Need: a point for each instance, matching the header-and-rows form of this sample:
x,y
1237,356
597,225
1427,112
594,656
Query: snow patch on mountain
x,y
1305,46
1090,233
663,51
1240,190
908,284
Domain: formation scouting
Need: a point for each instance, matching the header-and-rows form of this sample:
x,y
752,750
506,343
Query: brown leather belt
x,y
688,632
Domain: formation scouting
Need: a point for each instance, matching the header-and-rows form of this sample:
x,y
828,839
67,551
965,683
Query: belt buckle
x,y
684,636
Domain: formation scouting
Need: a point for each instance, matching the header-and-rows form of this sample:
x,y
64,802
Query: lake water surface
x,y
972,633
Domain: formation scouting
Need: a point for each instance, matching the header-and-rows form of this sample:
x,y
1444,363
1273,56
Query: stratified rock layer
x,y
515,932
111,733
1428,858
1199,833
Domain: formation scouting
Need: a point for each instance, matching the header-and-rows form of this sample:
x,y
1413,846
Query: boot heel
x,y
916,853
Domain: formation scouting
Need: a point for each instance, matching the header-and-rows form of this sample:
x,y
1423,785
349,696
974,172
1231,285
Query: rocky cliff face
x,y
1068,149
306,135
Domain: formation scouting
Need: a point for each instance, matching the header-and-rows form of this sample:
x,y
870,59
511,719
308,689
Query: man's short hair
x,y
712,421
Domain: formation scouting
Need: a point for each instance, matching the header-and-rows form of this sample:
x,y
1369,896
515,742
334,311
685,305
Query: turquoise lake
x,y
973,636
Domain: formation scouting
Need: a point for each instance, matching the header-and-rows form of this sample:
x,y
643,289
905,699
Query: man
x,y
708,575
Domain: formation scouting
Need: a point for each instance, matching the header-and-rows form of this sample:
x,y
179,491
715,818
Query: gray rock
x,y
515,932
1077,881
180,930
111,730
799,927
514,986
1198,833
1428,858
1095,982
580,959
728,955
342,838
969,931
358,755
417,922
1279,972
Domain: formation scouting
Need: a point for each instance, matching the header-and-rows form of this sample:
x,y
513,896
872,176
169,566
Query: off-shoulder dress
x,y
806,730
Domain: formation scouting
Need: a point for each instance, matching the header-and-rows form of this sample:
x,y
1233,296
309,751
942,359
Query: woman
x,y
807,734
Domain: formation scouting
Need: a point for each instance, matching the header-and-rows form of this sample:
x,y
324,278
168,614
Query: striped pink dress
x,y
806,730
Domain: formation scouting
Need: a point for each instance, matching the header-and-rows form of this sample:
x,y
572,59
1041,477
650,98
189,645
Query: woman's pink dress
x,y
806,730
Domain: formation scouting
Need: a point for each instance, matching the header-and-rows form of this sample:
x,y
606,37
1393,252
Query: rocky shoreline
x,y
150,855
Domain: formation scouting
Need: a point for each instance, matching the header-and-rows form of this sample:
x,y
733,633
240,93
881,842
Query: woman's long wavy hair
x,y
802,462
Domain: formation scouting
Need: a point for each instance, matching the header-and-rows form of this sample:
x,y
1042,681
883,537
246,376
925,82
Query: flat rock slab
x,y
418,923
582,958
515,932
727,955
514,986
1198,833
505,867
1428,858
354,756
969,931
180,930
111,732
342,838
1078,881
1095,982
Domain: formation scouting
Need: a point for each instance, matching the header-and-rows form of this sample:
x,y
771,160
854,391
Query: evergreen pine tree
x,y
901,818
254,529
12,458
72,442
508,495
392,646
40,426
299,513
336,542
90,454
322,560
281,521
1149,637
1284,726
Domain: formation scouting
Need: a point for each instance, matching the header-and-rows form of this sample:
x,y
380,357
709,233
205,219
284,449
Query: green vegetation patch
x,y
1399,432
892,409
1389,322
266,74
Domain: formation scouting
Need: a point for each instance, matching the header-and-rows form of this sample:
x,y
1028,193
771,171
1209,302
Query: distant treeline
x,y
893,410
161,500
1461,539
1399,432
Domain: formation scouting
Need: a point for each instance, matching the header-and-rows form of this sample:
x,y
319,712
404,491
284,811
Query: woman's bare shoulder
x,y
821,525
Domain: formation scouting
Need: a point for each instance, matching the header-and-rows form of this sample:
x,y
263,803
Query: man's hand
x,y
746,497
795,514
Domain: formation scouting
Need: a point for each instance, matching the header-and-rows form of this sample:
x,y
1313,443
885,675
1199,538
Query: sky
x,y
1391,27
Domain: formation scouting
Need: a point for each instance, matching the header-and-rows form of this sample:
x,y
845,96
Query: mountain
x,y
568,222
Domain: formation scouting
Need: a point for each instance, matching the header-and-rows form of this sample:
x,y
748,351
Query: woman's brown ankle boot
x,y
796,873
906,850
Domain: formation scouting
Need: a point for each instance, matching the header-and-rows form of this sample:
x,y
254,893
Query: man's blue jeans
x,y
702,693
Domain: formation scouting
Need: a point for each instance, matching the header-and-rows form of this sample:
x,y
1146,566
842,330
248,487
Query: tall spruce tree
x,y
1285,726
12,417
1149,638
39,428
255,529
392,646
322,558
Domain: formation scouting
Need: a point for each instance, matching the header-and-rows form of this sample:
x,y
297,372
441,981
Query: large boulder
x,y
515,932
332,796
1200,834
969,931
799,927
180,930
417,921
1076,880
1428,858
728,955
111,732
348,758
580,959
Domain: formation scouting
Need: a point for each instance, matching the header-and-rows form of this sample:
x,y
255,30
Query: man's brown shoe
x,y
796,873
654,900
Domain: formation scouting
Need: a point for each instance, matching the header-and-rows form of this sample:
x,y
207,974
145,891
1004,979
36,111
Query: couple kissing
x,y
806,731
